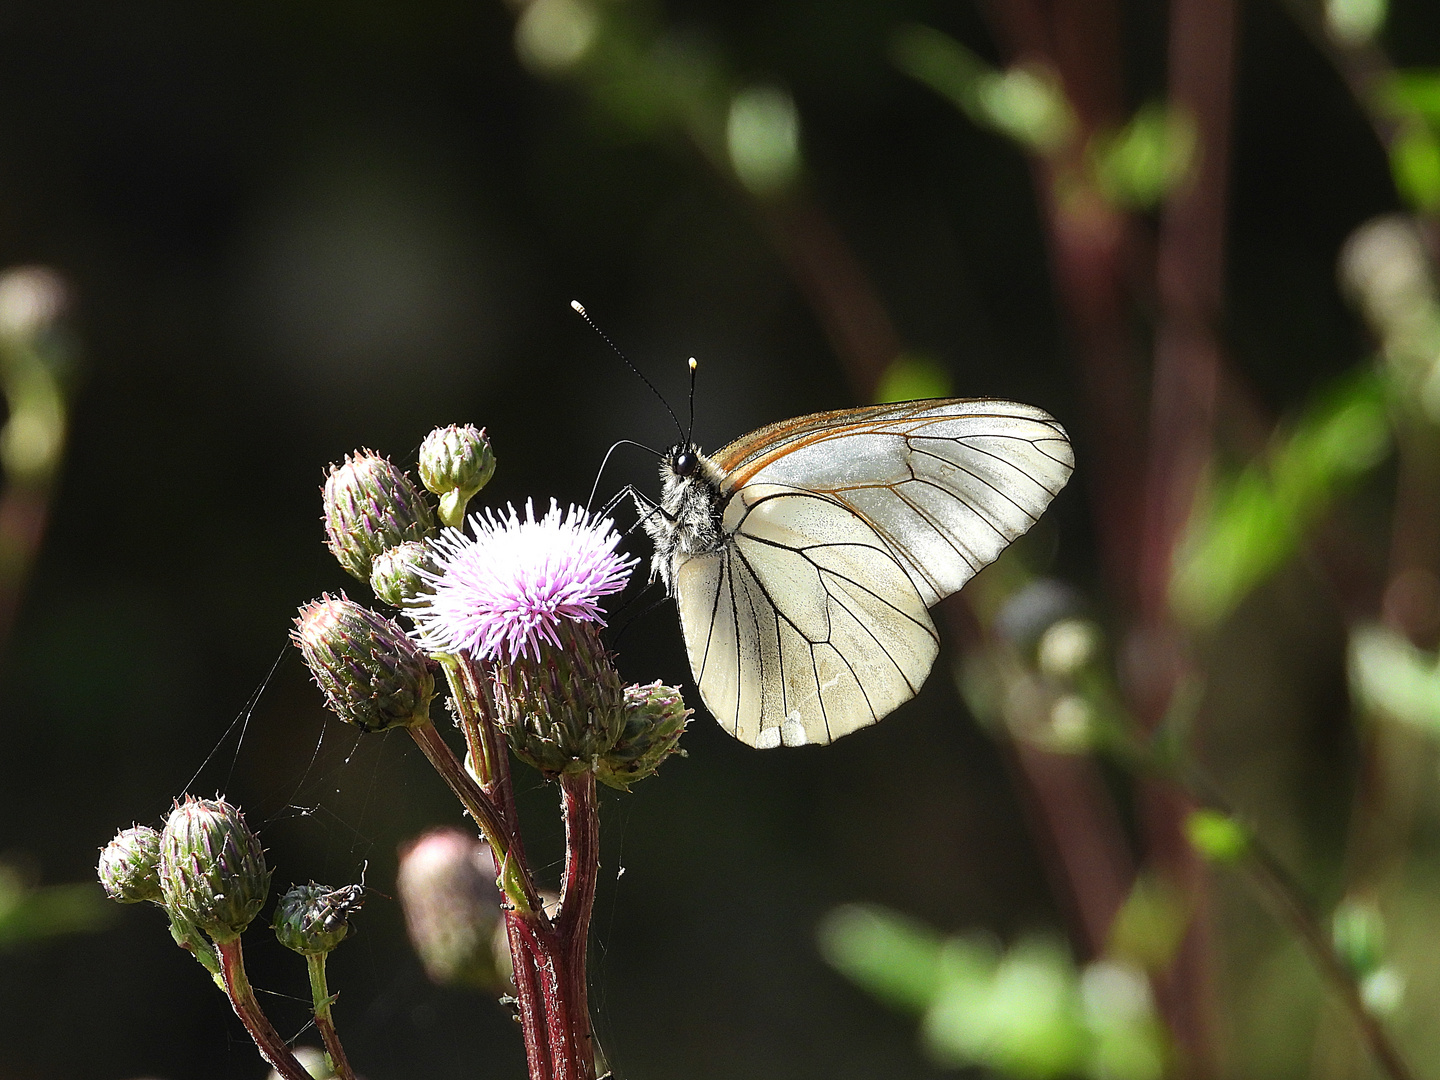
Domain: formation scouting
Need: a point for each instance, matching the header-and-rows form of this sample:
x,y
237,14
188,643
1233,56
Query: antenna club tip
x,y
579,307
694,363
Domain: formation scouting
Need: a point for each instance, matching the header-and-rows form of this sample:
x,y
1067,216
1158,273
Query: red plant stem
x,y
523,949
548,959
1190,279
242,999
508,856
582,867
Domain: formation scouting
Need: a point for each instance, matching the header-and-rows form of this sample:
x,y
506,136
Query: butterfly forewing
x,y
947,484
804,626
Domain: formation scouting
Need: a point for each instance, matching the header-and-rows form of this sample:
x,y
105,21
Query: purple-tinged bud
x,y
312,919
370,505
398,575
655,718
455,463
563,711
130,866
446,885
372,674
212,868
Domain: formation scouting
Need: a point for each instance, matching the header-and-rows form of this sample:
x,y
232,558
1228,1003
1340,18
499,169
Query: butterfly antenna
x,y
693,365
580,310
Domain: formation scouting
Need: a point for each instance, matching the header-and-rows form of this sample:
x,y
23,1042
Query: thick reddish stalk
x,y
242,999
582,866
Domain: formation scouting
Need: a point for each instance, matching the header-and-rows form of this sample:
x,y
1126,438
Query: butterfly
x,y
803,556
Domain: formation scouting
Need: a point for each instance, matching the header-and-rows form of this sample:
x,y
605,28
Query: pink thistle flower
x,y
503,593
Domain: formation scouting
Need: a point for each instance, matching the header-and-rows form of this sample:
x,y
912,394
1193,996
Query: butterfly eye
x,y
685,463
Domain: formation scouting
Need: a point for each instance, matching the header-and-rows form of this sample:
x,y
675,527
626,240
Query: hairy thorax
x,y
687,520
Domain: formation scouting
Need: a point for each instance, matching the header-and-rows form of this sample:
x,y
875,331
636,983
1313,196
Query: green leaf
x,y
1217,837
1414,93
1415,164
1254,521
1392,678
1140,164
1025,1020
910,378
896,959
1025,103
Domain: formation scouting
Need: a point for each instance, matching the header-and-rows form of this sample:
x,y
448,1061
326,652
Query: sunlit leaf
x,y
1355,22
910,378
1025,103
894,958
1415,92
1415,164
1216,836
1392,678
1253,522
1138,165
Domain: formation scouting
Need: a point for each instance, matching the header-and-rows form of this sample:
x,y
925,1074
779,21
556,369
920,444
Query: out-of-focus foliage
x,y
1024,103
1139,164
1392,678
1254,520
31,912
1026,1011
911,377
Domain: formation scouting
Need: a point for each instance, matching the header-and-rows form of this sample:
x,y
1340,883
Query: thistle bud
x,y
655,718
370,505
312,919
212,868
563,710
397,575
372,674
130,866
446,885
455,463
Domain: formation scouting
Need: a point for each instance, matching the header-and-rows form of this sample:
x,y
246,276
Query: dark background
x,y
295,228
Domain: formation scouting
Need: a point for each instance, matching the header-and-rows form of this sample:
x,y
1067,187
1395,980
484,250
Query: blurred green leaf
x,y
1415,164
1216,836
1025,103
1138,165
31,913
1390,677
1254,521
763,139
896,959
1357,931
1150,924
911,377
1415,92
1025,1020
1355,22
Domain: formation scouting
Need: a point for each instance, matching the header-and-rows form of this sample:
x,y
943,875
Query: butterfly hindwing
x,y
803,627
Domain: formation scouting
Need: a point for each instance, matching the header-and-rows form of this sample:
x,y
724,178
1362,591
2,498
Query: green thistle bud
x,y
370,505
372,674
130,866
655,718
212,868
396,576
455,463
564,711
312,919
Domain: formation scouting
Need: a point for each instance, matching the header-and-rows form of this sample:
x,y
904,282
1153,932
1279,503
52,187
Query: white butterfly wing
x,y
948,484
803,627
